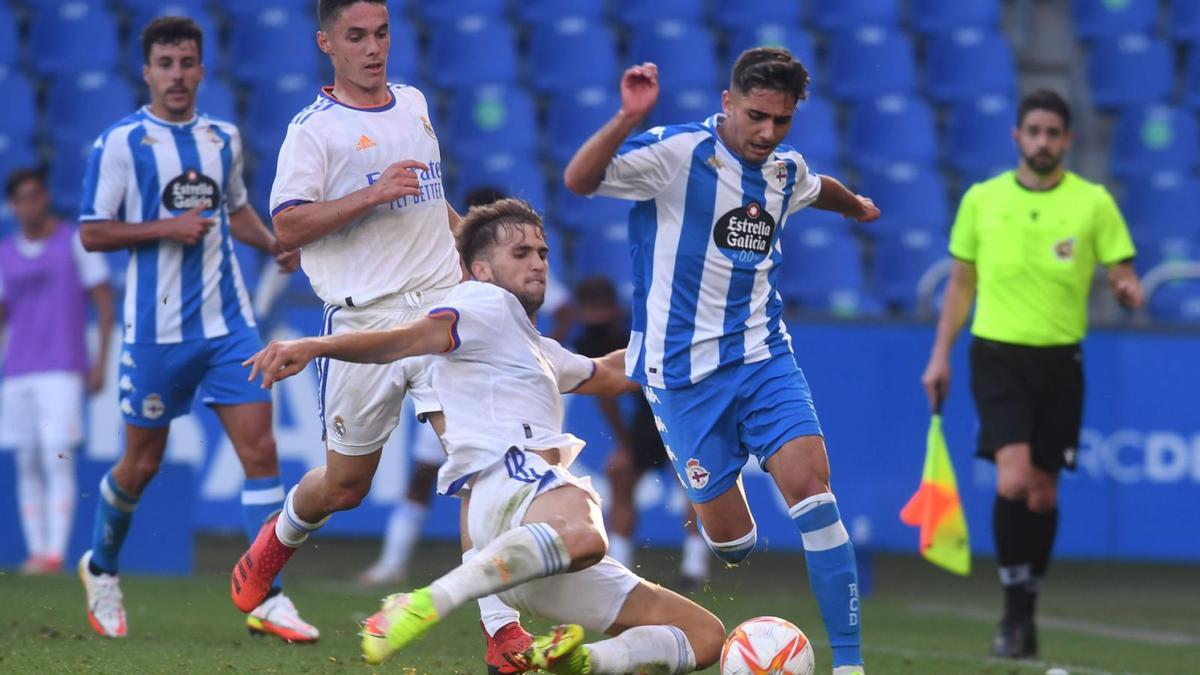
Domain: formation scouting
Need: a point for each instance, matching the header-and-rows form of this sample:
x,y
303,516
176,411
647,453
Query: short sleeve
x,y
300,172
1112,240
964,237
93,268
643,166
235,185
105,178
419,386
570,368
806,188
478,313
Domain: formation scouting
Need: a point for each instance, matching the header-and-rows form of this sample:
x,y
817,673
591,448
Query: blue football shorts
x,y
712,427
158,382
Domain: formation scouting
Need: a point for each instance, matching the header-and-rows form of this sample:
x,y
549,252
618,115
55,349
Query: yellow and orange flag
x,y
936,508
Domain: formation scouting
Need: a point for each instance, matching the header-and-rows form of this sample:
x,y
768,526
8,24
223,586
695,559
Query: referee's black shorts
x,y
1028,395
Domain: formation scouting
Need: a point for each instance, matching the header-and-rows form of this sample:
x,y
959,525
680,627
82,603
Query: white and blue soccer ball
x,y
767,645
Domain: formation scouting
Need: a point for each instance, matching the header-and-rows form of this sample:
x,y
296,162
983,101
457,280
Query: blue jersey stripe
x,y
776,343
689,265
191,273
145,255
91,182
742,276
231,307
656,136
643,230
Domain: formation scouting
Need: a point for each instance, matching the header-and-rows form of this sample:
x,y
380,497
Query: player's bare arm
x,y
187,228
283,358
1125,286
639,92
248,228
837,197
609,378
960,295
102,299
303,224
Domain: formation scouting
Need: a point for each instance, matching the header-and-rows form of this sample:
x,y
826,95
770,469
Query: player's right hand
x,y
936,381
188,227
279,360
398,180
639,89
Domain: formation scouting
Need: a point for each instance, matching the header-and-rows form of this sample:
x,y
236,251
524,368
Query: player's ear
x,y
481,270
323,43
725,100
146,73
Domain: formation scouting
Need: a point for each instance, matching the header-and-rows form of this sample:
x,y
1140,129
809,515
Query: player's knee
x,y
1012,485
347,495
1042,499
585,542
143,470
734,551
707,638
259,458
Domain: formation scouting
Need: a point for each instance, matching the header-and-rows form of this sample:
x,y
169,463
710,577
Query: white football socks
x,y
493,613
290,529
643,646
403,530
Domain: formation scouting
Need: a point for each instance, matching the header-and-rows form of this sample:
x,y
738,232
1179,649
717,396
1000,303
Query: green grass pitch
x,y
1096,618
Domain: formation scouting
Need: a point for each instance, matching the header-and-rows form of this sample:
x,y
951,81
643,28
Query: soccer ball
x,y
767,645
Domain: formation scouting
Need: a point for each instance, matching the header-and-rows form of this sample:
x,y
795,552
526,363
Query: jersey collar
x,y
172,125
327,92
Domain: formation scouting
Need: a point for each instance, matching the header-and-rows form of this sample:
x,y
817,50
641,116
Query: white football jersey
x,y
332,150
501,384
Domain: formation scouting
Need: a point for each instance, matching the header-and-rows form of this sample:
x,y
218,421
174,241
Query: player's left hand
x,y
288,261
279,360
867,210
95,378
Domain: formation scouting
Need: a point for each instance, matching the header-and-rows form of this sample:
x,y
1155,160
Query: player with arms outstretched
x,y
498,382
166,183
708,341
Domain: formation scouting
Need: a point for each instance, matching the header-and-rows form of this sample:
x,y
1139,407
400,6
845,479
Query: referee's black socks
x,y
1024,540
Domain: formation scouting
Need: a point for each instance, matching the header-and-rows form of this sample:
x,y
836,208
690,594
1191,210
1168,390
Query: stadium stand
x,y
932,17
552,45
1154,138
1095,20
871,61
1130,70
968,63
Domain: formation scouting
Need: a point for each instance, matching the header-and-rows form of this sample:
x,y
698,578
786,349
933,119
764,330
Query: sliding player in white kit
x,y
499,383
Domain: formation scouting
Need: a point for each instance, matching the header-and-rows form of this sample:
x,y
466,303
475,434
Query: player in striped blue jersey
x,y
166,183
708,340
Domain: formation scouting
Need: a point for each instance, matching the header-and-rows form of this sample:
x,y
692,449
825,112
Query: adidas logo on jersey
x,y
364,143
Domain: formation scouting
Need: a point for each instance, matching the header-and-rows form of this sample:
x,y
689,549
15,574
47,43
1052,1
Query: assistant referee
x,y
1026,243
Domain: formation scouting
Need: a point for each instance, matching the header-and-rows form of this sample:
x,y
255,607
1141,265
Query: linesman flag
x,y
936,508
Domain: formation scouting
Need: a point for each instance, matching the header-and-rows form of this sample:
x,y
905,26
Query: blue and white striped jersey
x,y
705,244
144,168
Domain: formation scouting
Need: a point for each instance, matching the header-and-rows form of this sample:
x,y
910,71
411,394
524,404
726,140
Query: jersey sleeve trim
x,y
585,380
438,312
287,205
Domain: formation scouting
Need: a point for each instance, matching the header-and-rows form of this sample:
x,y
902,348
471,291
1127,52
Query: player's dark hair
x,y
328,11
171,30
1048,100
769,68
19,177
596,290
484,226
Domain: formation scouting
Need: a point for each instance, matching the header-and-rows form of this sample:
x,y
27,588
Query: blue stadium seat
x,y
1177,302
492,119
272,41
682,105
1185,21
771,34
517,175
969,63
836,15
19,114
1154,138
578,214
80,106
902,257
685,52
1131,70
910,197
134,7
67,165
473,51
871,61
195,10
1154,249
604,250
10,42
70,36
979,141
217,100
1191,96
814,133
448,12
17,154
940,16
404,60
1163,203
634,13
573,116
822,269
737,15
1095,19
541,11
553,55
271,107
259,178
891,130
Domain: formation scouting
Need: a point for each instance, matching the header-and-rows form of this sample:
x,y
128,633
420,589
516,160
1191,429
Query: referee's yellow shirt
x,y
1035,254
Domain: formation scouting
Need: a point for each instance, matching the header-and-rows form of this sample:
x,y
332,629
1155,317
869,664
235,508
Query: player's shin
x,y
642,646
523,554
832,573
113,516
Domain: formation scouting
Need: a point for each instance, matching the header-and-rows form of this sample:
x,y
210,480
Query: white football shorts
x,y
41,408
